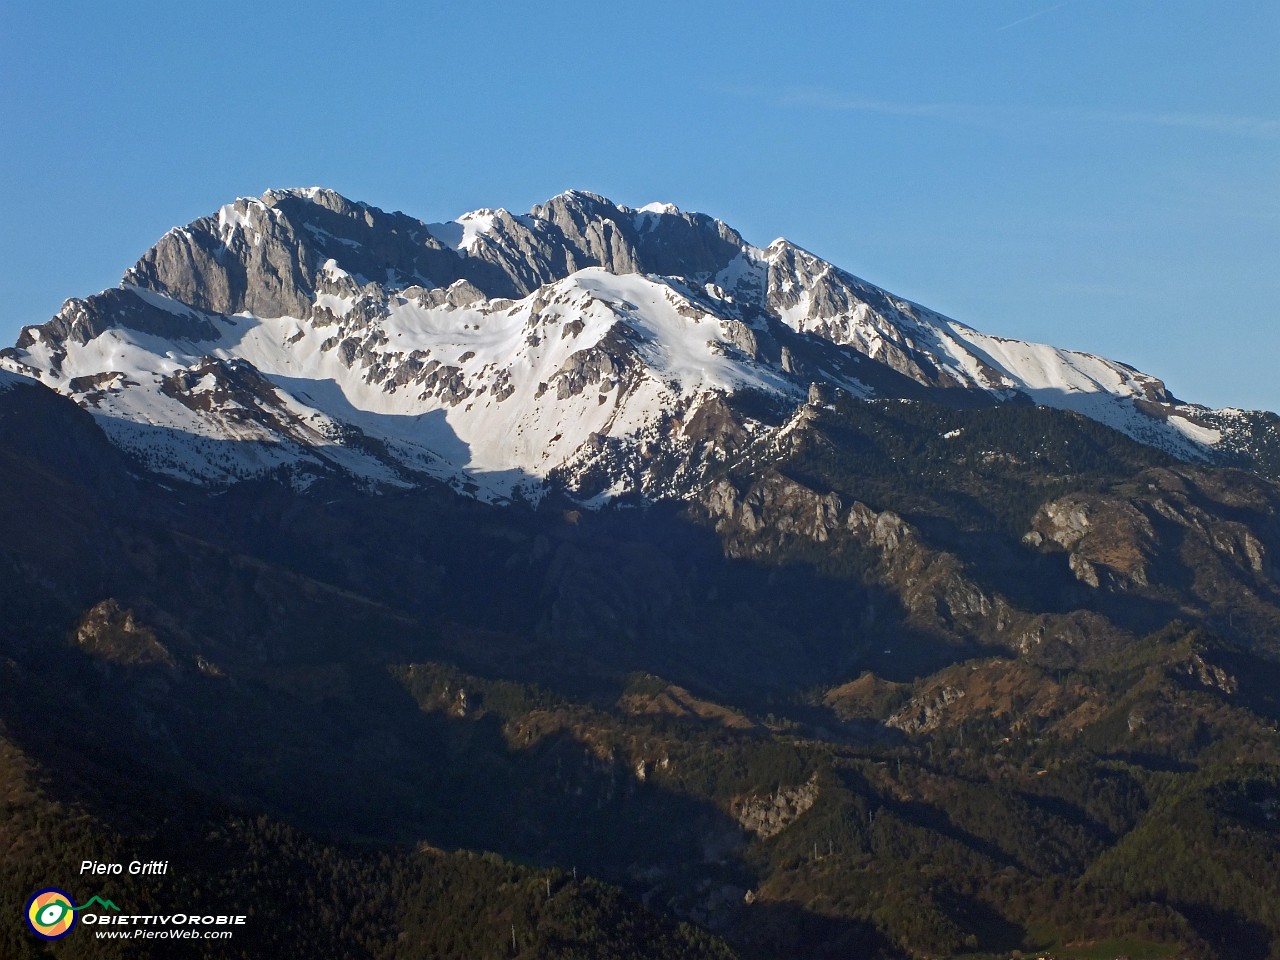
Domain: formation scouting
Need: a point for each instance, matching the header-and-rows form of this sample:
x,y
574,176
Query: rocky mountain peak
x,y
323,196
499,350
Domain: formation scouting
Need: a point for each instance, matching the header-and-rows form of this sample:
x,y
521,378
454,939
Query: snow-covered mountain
x,y
585,342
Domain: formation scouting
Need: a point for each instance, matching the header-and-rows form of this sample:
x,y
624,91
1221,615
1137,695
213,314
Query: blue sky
x,y
1098,174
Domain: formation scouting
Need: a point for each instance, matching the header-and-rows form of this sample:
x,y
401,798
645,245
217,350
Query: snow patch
x,y
650,215
235,216
494,397
167,304
1202,435
10,379
462,234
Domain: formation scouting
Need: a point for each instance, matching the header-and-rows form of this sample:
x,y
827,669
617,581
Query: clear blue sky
x,y
1099,174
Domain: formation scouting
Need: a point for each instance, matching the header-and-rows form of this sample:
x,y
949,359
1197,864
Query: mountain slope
x,y
305,335
894,679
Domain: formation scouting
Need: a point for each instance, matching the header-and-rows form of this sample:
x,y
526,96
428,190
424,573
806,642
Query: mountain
x,y
584,344
595,584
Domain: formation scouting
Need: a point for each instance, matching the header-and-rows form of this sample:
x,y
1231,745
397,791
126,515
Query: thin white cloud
x,y
1223,124
1260,128
836,103
1033,16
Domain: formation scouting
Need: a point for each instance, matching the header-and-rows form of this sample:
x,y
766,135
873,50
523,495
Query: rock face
x,y
114,634
775,506
920,716
771,813
498,352
266,256
1210,675
665,241
1115,537
933,585
1117,543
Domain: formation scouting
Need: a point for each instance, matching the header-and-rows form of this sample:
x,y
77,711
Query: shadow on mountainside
x,y
344,753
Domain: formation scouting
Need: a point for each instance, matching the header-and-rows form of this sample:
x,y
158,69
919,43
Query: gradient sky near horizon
x,y
1098,174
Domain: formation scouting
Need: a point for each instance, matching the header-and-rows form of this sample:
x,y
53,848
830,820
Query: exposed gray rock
x,y
743,337
782,315
80,321
769,814
921,716
601,233
1085,571
845,310
1210,675
601,365
783,507
114,634
1108,542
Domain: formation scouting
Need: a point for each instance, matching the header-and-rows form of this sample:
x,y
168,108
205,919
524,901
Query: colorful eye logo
x,y
50,914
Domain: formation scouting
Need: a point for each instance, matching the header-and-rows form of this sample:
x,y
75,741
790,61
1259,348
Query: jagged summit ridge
x,y
305,332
